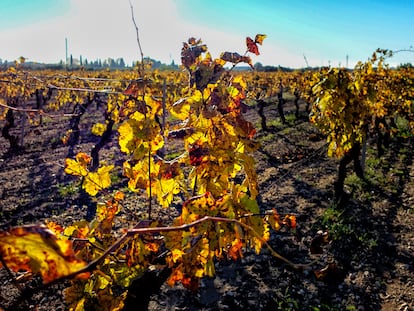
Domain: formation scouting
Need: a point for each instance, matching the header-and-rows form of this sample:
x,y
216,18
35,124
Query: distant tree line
x,y
119,63
97,64
260,67
155,64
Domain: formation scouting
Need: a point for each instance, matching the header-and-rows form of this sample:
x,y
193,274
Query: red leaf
x,y
247,127
198,155
132,89
252,46
290,221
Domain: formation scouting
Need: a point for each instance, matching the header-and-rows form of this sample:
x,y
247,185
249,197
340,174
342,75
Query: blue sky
x,y
326,32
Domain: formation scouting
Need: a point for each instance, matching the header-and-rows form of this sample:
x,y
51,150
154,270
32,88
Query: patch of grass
x,y
335,223
275,123
288,96
403,127
287,131
287,303
267,138
172,155
290,118
372,161
344,227
68,190
326,307
367,241
380,173
172,119
116,178
54,141
46,120
250,102
385,173
358,187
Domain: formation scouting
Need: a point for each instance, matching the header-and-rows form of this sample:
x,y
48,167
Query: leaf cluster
x,y
350,104
213,181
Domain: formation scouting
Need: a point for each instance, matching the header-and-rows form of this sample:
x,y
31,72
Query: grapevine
x,y
211,184
353,105
213,181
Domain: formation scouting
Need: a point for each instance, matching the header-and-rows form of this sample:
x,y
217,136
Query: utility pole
x,y
66,48
306,60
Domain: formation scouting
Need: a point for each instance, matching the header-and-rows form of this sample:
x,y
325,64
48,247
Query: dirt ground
x,y
368,263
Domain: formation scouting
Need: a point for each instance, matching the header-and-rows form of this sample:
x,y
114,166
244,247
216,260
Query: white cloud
x,y
104,28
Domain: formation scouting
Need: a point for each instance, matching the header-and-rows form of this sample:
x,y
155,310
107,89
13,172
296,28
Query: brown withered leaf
x,y
319,240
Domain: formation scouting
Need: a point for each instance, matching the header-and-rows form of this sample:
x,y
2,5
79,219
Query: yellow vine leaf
x,y
181,109
138,136
78,167
125,275
240,80
259,38
168,183
98,129
105,214
78,295
38,250
137,175
78,230
176,254
96,181
165,189
126,136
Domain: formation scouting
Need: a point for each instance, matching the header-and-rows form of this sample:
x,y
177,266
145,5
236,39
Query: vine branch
x,y
138,231
138,40
38,111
